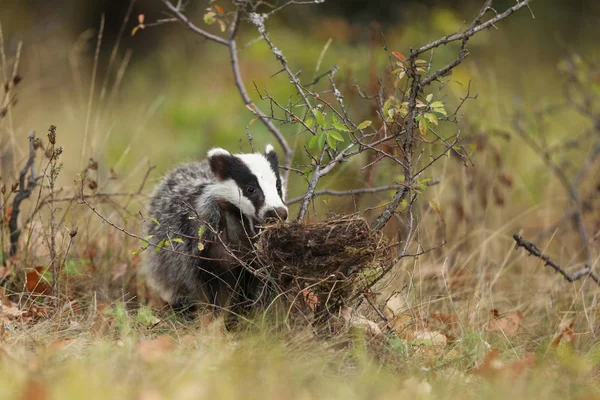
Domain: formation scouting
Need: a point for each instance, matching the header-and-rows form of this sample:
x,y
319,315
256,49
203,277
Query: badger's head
x,y
250,182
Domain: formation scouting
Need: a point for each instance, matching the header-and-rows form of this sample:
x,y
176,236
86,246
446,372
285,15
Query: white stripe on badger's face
x,y
228,190
267,180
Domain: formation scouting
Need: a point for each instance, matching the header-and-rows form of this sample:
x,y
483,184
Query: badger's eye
x,y
250,189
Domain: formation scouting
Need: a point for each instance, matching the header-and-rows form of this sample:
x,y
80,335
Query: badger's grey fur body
x,y
229,194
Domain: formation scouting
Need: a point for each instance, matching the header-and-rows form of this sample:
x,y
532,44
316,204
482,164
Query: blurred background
x,y
165,95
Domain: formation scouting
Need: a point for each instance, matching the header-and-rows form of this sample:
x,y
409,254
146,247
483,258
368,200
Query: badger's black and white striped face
x,y
250,182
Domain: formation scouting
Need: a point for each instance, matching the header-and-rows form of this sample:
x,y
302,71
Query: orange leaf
x,y
492,367
154,350
35,389
310,299
219,9
35,284
565,333
399,55
141,18
509,324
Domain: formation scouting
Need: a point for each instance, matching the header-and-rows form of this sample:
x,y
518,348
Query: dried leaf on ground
x,y
35,389
358,321
565,333
36,283
415,388
427,337
310,299
154,350
401,322
509,324
394,305
492,367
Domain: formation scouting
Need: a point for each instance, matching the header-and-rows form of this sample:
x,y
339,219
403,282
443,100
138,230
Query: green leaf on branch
x,y
320,118
364,124
313,142
336,136
431,118
321,141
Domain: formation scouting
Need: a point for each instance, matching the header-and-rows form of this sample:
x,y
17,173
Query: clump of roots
x,y
318,266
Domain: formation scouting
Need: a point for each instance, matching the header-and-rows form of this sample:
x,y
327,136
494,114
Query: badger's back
x,y
181,272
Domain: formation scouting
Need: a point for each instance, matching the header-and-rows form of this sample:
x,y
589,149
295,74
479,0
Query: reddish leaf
x,y
154,350
35,283
509,324
35,389
310,299
399,55
219,9
565,333
492,367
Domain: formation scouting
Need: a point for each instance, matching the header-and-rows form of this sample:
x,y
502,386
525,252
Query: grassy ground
x,y
473,319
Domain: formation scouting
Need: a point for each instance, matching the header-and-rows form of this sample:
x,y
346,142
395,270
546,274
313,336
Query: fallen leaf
x,y
310,299
11,311
57,345
493,368
564,334
149,393
35,389
154,350
509,324
427,337
413,388
401,322
35,282
447,319
394,305
358,321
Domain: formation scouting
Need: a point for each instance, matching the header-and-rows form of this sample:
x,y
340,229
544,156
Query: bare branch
x,y
350,192
533,250
176,10
311,187
474,28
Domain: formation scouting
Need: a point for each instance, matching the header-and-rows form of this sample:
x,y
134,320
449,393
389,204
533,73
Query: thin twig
x,y
185,20
350,192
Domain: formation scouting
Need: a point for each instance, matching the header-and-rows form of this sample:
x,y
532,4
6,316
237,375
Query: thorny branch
x,y
533,250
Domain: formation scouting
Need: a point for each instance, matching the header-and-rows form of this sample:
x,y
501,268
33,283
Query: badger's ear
x,y
271,156
219,160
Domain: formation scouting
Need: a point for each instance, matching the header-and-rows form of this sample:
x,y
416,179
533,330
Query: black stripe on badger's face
x,y
227,167
271,156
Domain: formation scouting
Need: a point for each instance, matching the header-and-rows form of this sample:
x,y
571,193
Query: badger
x,y
203,217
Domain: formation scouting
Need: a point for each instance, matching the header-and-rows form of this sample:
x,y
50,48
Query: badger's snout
x,y
278,213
